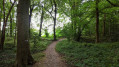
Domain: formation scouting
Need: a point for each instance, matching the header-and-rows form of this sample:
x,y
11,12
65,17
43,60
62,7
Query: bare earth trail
x,y
52,58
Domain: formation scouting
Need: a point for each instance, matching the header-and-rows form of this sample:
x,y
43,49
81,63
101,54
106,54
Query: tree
x,y
23,56
97,22
5,19
55,18
104,25
30,15
42,16
115,5
0,29
53,14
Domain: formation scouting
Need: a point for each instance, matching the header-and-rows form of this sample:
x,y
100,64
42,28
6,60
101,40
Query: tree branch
x,y
9,12
113,4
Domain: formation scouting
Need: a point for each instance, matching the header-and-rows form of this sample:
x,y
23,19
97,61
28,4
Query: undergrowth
x,y
89,54
7,56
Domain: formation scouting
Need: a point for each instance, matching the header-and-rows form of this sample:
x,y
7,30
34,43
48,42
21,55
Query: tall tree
x,y
0,24
0,29
23,56
30,15
53,14
42,16
5,19
55,18
97,22
3,35
104,25
11,26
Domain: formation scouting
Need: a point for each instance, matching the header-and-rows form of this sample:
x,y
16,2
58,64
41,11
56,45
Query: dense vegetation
x,y
7,56
91,28
89,54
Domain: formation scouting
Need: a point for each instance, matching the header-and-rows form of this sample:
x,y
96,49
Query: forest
x,y
59,33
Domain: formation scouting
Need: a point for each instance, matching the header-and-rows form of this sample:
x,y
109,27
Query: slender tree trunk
x,y
5,23
0,26
104,25
42,16
15,34
3,29
31,10
55,18
11,26
0,31
97,22
23,56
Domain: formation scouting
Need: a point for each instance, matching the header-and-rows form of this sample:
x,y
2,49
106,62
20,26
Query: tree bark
x,y
5,23
31,10
23,57
0,31
10,26
15,34
97,22
104,25
55,18
42,16
3,30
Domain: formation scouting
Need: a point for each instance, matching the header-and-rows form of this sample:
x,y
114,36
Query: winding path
x,y
52,58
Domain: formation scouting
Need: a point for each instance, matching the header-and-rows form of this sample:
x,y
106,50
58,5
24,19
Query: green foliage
x,y
7,56
9,44
89,54
46,32
67,31
38,56
58,32
39,46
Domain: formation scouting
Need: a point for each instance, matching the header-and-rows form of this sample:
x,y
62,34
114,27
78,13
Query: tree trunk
x,y
10,26
104,25
31,10
3,29
42,15
55,18
23,57
97,22
0,31
15,34
5,23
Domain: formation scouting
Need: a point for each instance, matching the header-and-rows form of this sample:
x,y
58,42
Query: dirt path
x,y
52,58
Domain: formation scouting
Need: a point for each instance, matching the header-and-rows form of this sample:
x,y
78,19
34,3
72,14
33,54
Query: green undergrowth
x,y
7,56
38,48
89,54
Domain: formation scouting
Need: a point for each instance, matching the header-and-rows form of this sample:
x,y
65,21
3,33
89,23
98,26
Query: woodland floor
x,y
52,58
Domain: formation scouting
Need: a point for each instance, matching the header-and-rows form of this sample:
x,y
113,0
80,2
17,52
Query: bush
x,y
39,46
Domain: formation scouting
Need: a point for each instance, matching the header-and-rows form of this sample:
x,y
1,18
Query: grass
x,y
89,54
7,56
